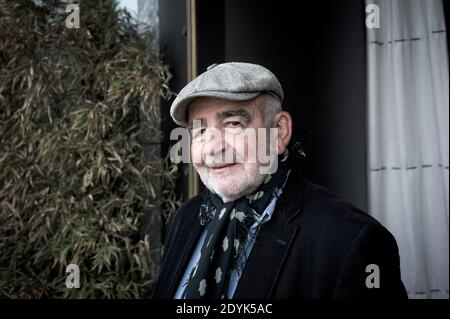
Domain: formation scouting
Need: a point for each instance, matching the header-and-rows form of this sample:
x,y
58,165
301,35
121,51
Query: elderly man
x,y
260,229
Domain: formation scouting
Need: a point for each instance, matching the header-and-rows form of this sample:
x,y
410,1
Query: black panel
x,y
318,52
173,37
210,33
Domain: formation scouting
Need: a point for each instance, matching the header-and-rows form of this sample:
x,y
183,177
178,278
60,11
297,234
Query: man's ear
x,y
283,122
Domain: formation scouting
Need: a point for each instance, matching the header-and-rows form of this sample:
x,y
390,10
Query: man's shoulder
x,y
183,219
187,212
324,204
323,212
333,225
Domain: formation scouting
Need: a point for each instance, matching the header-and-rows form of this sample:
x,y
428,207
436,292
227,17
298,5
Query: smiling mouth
x,y
221,166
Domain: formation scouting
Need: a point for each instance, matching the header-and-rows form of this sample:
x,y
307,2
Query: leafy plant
x,y
73,181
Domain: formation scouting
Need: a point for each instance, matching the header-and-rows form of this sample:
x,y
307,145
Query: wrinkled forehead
x,y
207,108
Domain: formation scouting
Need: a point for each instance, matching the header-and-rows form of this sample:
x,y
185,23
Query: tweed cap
x,y
233,81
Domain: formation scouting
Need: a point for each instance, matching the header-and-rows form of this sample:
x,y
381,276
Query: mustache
x,y
224,157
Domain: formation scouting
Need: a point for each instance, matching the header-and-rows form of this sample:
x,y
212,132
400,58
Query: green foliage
x,y
73,182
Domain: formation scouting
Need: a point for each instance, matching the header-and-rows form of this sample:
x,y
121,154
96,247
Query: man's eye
x,y
233,124
198,132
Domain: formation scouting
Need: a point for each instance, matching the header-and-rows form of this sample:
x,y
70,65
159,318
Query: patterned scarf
x,y
226,233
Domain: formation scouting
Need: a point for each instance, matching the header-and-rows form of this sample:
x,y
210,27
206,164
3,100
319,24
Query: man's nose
x,y
214,141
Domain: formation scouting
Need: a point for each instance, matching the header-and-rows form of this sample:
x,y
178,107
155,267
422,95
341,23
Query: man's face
x,y
220,128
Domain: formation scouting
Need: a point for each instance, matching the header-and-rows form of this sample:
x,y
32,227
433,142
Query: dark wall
x,y
317,50
173,37
318,53
210,33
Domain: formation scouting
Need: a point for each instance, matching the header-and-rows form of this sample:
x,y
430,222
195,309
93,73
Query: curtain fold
x,y
408,138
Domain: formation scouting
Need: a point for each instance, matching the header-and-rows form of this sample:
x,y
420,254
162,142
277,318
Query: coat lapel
x,y
272,245
184,247
266,260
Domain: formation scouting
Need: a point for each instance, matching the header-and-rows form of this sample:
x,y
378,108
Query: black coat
x,y
315,246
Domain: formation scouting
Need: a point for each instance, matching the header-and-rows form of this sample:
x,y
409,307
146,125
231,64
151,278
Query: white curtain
x,y
408,138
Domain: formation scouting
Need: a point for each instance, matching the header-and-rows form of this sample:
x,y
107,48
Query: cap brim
x,y
178,108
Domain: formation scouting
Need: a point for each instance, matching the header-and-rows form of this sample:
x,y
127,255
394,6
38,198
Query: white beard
x,y
230,187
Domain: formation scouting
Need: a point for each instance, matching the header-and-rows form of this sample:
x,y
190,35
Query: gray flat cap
x,y
233,81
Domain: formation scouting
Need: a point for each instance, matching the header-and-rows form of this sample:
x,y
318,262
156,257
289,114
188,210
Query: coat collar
x,y
184,245
273,244
275,237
